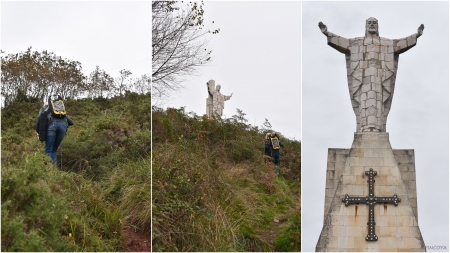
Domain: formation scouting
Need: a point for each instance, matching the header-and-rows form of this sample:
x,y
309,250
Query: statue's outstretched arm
x,y
420,30
337,42
323,28
228,97
404,44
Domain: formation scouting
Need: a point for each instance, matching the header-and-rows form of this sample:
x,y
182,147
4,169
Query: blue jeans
x,y
276,157
276,160
55,134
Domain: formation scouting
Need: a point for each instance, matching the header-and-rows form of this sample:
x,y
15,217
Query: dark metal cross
x,y
371,200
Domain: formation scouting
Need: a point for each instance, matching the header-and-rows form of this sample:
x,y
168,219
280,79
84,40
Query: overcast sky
x,y
113,35
419,115
256,56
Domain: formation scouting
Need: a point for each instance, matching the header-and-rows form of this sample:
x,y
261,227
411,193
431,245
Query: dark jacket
x,y
267,147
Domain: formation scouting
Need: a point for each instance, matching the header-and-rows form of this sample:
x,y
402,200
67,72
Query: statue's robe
x,y
371,70
219,102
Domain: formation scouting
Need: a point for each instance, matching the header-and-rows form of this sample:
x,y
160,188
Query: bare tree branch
x,y
179,44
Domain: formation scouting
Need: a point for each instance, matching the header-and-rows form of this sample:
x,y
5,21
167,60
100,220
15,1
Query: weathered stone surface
x,y
345,228
405,162
371,71
338,158
215,101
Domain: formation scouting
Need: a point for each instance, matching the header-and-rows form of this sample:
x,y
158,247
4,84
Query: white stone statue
x,y
371,71
215,101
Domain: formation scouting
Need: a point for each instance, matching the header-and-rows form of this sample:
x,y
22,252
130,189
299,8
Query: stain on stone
x,y
356,211
385,209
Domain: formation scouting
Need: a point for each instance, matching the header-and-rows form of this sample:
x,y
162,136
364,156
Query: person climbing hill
x,y
51,125
275,151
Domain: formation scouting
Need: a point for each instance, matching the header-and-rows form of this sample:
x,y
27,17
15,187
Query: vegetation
x,y
212,189
101,185
35,75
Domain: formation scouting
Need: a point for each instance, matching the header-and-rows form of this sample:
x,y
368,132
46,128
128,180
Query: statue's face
x,y
218,87
372,25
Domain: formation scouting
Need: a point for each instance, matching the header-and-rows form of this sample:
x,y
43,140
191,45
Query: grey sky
x,y
419,115
256,56
113,35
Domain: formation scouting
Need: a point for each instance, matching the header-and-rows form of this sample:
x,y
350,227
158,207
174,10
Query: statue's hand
x,y
420,30
231,95
323,28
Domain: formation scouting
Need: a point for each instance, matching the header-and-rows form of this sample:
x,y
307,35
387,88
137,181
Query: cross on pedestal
x,y
371,200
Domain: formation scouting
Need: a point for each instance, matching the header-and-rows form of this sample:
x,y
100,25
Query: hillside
x,y
213,190
98,199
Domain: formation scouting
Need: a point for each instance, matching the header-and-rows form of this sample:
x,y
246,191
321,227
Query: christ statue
x,y
371,70
216,100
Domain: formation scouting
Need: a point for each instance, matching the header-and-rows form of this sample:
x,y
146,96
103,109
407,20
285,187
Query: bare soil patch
x,y
136,241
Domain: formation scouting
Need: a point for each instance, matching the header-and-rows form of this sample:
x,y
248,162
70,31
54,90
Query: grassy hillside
x,y
214,191
102,191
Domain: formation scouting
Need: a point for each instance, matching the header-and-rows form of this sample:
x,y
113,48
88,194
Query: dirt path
x,y
269,234
136,241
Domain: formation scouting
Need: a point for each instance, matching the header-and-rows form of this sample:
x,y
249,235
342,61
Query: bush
x,y
38,216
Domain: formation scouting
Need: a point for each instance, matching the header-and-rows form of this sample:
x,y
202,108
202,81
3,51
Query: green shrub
x,y
36,213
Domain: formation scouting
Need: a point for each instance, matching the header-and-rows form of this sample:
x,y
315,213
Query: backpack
x,y
57,108
275,143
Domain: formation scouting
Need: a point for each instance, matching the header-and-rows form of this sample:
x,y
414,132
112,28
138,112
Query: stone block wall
x,y
345,227
406,165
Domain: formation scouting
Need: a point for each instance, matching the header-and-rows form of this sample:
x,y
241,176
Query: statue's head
x,y
218,87
372,26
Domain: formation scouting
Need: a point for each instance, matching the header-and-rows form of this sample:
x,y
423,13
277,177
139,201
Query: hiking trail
x,y
270,233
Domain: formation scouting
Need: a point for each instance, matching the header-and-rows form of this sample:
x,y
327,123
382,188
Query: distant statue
x,y
215,101
371,70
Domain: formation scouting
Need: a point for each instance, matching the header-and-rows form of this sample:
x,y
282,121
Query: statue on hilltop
x,y
216,100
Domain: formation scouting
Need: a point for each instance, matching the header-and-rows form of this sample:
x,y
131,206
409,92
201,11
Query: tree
x,y
100,83
120,82
179,44
37,74
266,126
141,85
240,117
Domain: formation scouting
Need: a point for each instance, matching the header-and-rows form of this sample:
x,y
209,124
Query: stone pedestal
x,y
346,227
